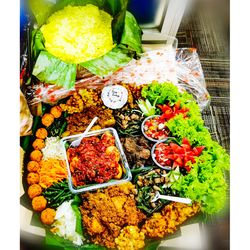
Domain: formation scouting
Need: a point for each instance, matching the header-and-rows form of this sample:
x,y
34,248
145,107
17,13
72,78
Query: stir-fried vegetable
x,y
129,121
148,183
57,194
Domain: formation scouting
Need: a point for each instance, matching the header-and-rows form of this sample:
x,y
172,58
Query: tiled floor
x,y
206,27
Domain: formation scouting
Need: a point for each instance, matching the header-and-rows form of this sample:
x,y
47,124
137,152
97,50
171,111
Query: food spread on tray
x,y
161,138
118,214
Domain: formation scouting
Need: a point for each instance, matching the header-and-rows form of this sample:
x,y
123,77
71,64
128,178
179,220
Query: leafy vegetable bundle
x,y
205,183
126,35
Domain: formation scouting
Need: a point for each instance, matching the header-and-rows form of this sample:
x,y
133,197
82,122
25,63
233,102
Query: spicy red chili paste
x,y
95,160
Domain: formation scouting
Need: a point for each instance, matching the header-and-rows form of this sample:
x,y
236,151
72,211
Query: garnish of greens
x,y
57,194
205,183
58,126
146,107
128,121
154,180
126,35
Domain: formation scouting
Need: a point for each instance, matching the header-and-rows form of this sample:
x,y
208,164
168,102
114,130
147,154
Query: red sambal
x,y
95,160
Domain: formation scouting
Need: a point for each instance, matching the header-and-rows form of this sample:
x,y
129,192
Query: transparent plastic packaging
x,y
26,118
127,176
181,66
190,75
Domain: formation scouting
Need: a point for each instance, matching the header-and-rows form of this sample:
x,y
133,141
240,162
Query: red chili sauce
x,y
91,162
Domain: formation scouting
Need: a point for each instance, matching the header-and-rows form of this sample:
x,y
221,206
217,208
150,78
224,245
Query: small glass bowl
x,y
153,153
143,132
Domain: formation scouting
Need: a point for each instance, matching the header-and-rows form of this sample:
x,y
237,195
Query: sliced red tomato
x,y
177,155
199,150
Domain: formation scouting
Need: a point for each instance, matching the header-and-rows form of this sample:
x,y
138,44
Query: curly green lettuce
x,y
206,182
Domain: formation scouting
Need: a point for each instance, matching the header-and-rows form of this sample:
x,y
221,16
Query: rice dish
x,y
78,33
65,223
53,149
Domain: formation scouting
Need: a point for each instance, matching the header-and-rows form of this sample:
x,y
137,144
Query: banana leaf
x,y
125,31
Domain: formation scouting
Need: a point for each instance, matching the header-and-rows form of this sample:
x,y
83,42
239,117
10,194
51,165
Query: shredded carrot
x,y
51,171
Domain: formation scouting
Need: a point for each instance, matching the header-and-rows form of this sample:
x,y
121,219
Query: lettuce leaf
x,y
163,92
206,182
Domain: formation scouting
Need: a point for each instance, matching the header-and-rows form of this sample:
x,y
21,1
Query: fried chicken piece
x,y
155,227
172,215
105,212
73,105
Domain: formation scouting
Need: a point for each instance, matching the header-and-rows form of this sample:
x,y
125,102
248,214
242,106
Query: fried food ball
x,y
34,190
130,238
47,119
39,203
41,133
33,178
38,144
33,166
56,111
48,216
36,155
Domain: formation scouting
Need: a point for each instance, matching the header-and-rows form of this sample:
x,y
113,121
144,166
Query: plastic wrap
x,y
182,67
190,75
26,119
155,65
46,93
